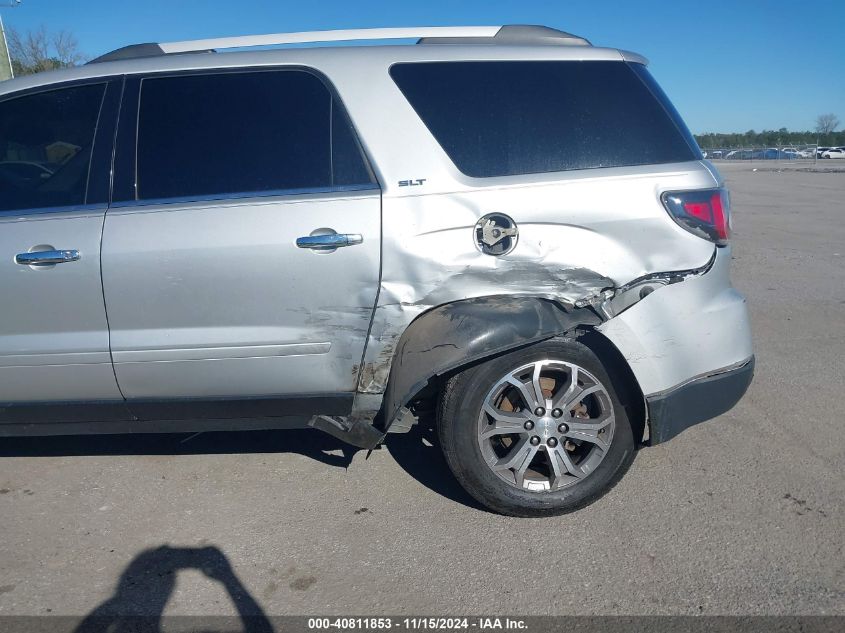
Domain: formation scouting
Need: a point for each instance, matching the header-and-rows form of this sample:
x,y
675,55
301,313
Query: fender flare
x,y
456,334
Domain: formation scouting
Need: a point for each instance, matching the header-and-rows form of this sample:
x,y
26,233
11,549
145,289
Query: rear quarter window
x,y
508,118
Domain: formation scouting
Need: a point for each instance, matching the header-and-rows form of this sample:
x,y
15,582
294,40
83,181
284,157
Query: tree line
x,y
769,138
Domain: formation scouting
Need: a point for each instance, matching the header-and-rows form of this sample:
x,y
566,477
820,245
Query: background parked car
x,y
794,153
834,152
739,154
772,153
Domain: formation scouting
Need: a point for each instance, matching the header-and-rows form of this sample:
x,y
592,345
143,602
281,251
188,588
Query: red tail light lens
x,y
704,212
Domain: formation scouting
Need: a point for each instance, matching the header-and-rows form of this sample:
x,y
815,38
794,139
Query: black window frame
x,y
637,68
98,185
124,186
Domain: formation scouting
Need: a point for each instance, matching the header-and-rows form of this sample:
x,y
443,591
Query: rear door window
x,y
46,140
506,118
239,133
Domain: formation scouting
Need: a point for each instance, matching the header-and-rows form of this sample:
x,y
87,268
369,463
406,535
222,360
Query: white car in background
x,y
795,153
834,152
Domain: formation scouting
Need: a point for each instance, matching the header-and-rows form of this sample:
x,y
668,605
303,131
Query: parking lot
x,y
742,515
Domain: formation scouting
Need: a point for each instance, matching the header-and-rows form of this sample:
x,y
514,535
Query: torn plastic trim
x,y
352,430
634,291
459,333
402,303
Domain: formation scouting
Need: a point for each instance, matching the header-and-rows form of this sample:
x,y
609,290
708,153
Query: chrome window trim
x,y
77,208
248,195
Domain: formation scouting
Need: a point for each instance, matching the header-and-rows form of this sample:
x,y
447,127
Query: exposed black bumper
x,y
696,401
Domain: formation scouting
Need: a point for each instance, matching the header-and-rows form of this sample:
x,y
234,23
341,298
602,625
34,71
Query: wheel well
x,y
453,336
624,382
623,379
426,398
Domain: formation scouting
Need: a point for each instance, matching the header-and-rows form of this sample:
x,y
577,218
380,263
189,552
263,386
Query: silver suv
x,y
506,225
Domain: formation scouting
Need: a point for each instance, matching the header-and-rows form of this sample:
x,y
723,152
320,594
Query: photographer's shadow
x,y
146,585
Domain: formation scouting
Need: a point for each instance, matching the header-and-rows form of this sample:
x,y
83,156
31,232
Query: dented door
x,y
217,300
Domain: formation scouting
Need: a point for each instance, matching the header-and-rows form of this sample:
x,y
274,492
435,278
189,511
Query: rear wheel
x,y
538,431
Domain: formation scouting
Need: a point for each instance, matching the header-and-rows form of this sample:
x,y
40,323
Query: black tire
x,y
457,425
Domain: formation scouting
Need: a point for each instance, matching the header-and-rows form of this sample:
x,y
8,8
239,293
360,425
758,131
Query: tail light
x,y
704,212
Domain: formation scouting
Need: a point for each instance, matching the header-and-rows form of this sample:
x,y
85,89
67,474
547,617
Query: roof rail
x,y
509,34
514,35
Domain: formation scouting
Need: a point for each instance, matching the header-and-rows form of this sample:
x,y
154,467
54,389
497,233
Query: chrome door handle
x,y
333,240
46,257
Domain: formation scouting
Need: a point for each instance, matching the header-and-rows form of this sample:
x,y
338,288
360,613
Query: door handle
x,y
333,240
41,258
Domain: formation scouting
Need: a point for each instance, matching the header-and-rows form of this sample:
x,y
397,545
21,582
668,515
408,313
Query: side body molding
x,y
456,334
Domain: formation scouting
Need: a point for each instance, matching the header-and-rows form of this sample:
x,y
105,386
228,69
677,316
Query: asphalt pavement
x,y
741,515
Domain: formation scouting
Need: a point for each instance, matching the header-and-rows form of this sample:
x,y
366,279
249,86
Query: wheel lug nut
x,y
562,428
534,440
556,413
528,425
539,411
552,442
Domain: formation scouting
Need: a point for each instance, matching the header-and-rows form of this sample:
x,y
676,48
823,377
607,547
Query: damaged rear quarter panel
x,y
579,234
654,334
454,334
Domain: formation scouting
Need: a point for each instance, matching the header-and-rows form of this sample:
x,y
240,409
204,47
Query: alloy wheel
x,y
546,425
